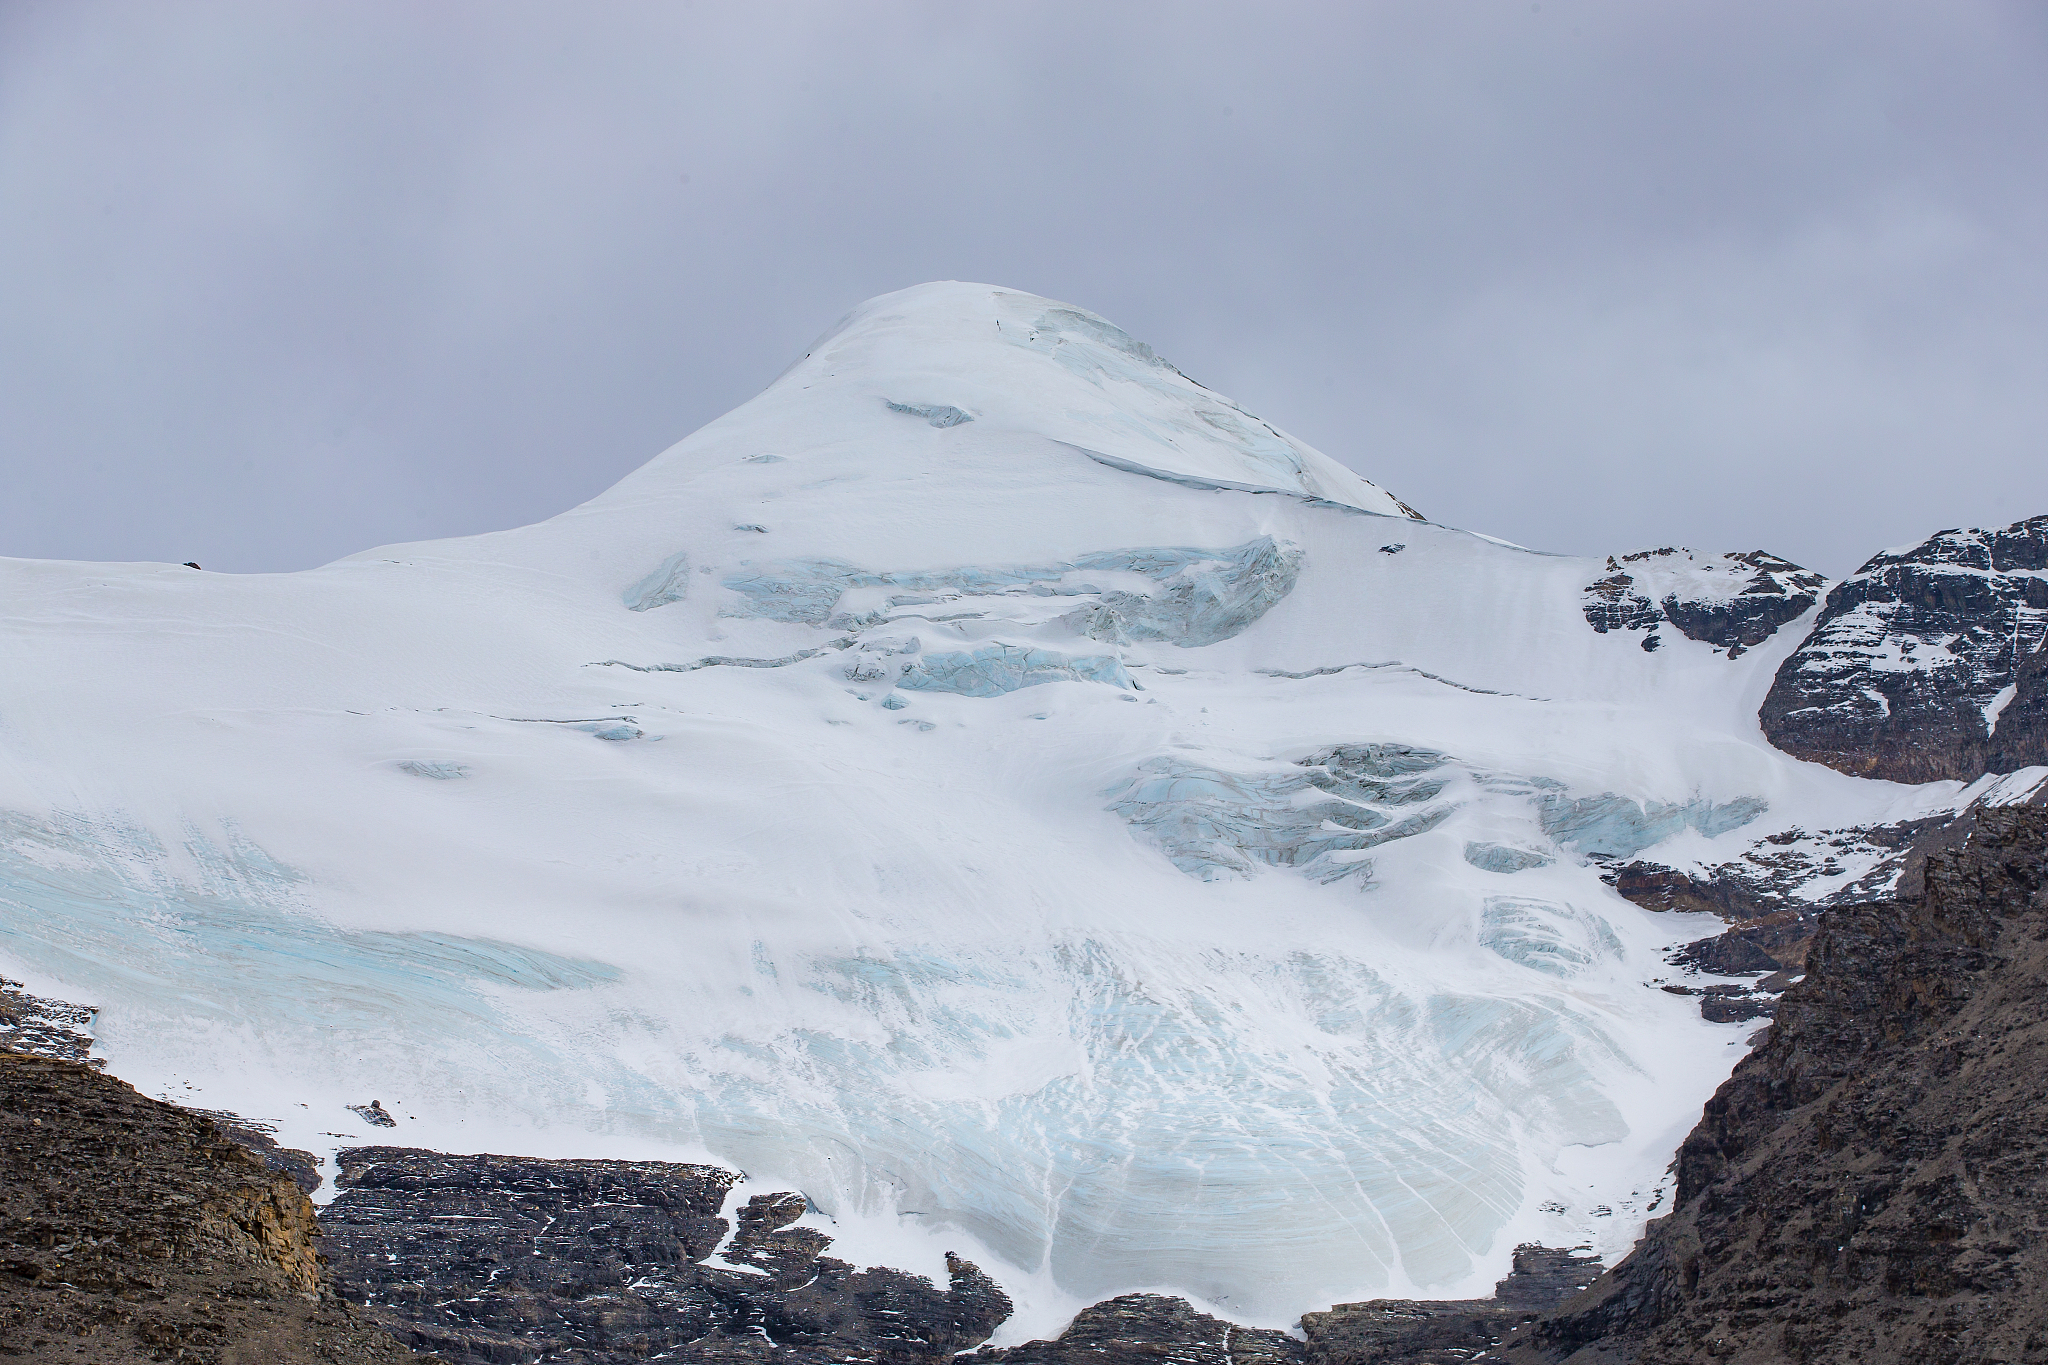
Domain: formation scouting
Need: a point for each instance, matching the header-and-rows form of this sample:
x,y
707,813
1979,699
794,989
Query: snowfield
x,y
987,782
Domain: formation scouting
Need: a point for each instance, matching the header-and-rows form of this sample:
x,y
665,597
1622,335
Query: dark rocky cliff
x,y
132,1230
1871,1184
516,1259
1926,664
1444,1331
1158,1329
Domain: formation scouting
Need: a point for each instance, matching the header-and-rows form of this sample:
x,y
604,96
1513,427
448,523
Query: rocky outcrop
x,y
300,1167
1442,1331
132,1230
1770,893
44,1027
1773,893
1142,1329
515,1259
1733,601
1926,663
1150,1328
1871,1184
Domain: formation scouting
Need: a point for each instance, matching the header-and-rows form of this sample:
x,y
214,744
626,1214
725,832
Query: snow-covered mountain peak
x,y
988,782
1004,375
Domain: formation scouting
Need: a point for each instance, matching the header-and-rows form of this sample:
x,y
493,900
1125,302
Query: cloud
x,y
289,280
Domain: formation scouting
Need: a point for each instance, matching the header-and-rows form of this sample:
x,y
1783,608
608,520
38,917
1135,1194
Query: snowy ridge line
x,y
1306,499
725,660
2012,789
1395,663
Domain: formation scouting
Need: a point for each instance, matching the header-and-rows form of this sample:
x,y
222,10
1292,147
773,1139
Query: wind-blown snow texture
x,y
988,782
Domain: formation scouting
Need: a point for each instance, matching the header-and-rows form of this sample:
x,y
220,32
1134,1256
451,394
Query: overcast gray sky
x,y
283,281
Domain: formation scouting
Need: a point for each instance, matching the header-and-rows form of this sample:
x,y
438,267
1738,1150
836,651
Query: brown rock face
x,y
134,1231
1871,1184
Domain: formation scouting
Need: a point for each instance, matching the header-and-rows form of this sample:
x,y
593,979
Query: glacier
x,y
988,782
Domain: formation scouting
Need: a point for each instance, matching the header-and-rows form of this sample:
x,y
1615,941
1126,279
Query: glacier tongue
x,y
944,785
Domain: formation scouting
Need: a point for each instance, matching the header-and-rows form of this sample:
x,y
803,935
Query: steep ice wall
x,y
987,782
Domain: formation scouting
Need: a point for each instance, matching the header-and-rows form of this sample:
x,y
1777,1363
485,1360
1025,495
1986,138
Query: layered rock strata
x,y
301,1167
1926,663
1871,1184
512,1259
1150,1328
132,1230
44,1027
1442,1331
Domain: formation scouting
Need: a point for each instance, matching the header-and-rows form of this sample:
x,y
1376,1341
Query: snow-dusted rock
x,y
1733,601
1926,663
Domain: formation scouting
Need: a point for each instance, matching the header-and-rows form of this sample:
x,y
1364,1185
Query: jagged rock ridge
x,y
1767,893
44,1027
1773,893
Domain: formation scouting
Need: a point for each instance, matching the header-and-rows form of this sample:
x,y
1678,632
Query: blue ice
x,y
670,582
995,669
1615,826
1203,596
1557,939
938,414
1214,824
96,906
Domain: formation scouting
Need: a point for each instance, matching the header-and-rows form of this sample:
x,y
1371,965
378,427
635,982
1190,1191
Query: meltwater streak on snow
x,y
972,823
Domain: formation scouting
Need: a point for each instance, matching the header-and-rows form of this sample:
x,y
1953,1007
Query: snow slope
x,y
988,782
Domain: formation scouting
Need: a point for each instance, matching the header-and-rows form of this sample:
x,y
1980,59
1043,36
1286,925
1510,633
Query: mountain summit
x,y
988,783
1039,382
